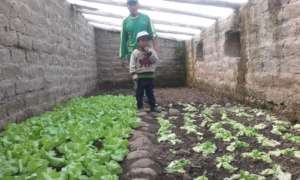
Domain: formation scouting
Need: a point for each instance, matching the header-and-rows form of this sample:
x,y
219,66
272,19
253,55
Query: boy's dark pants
x,y
145,85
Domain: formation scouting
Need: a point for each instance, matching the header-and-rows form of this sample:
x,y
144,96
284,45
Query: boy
x,y
142,67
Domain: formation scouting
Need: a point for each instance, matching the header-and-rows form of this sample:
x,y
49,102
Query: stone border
x,y
140,163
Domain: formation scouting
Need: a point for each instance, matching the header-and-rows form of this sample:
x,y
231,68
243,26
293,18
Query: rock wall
x,y
47,55
170,72
264,66
209,65
271,38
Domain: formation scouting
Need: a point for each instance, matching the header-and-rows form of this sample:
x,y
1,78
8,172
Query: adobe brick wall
x,y
170,71
268,68
47,55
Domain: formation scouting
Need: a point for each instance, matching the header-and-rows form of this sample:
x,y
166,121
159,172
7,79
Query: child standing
x,y
142,67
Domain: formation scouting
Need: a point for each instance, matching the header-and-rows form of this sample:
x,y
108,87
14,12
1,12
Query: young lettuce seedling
x,y
206,148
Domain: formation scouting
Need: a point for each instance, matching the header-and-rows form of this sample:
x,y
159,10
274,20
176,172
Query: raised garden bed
x,y
199,141
85,138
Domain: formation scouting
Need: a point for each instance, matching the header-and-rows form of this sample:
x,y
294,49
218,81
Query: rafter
x,y
156,21
217,3
159,30
154,8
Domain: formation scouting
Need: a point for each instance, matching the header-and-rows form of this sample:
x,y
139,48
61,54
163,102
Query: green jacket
x,y
131,27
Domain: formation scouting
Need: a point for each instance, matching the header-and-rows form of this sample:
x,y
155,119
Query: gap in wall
x,y
200,51
232,46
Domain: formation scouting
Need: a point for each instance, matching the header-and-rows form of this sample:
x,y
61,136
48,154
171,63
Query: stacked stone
x,y
47,55
170,71
268,68
140,163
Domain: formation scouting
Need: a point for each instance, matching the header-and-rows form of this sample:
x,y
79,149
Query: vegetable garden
x,y
83,139
89,138
228,142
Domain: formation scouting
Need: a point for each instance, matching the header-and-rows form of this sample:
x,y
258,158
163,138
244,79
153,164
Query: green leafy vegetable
x,y
201,178
292,138
245,175
236,145
178,166
165,132
267,142
84,138
224,162
260,126
258,155
189,125
277,173
206,148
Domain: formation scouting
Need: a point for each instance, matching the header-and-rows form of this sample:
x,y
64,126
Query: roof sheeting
x,y
174,19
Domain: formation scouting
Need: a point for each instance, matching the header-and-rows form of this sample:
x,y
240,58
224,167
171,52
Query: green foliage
x,y
189,125
245,175
165,132
277,173
190,108
224,162
61,144
296,127
285,152
236,145
240,112
201,178
207,113
206,148
260,126
266,141
220,132
292,138
178,166
258,155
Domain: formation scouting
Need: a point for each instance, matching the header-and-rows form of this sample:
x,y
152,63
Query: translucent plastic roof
x,y
172,19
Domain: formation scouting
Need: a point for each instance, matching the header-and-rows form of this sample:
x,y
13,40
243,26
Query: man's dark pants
x,y
145,86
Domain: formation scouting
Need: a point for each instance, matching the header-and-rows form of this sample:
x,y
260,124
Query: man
x,y
132,25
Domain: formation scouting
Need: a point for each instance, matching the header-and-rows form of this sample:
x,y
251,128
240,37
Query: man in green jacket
x,y
132,25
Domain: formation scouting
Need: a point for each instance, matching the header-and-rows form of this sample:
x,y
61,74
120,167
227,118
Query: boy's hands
x,y
148,52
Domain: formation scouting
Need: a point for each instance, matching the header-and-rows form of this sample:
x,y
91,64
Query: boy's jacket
x,y
141,62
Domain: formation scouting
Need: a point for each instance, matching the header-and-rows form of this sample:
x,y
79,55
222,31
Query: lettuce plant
x,y
236,145
178,166
292,138
206,148
85,138
277,172
165,132
201,178
224,162
258,155
245,175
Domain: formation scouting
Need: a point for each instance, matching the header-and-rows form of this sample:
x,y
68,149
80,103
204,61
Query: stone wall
x,y
47,55
264,66
170,72
208,62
